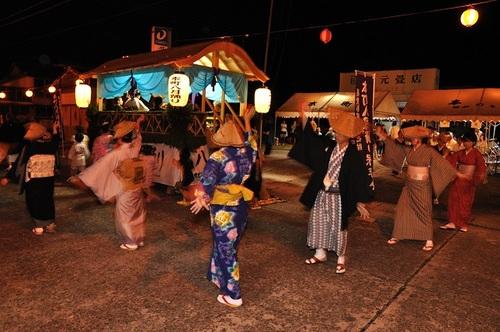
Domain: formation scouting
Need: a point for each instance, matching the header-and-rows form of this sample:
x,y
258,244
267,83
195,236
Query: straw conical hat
x,y
345,123
228,135
123,128
34,131
416,132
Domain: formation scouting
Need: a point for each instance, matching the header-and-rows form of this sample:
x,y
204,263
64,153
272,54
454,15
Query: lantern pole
x,y
265,64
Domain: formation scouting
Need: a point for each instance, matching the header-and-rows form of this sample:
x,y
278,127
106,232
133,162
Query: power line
x,y
24,10
35,13
365,20
102,19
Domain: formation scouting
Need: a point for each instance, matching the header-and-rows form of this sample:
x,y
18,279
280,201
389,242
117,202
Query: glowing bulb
x,y
52,89
3,95
29,93
469,17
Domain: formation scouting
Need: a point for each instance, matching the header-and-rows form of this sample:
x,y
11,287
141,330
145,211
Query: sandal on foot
x,y
37,230
428,247
50,228
129,247
392,241
314,260
227,300
340,269
448,226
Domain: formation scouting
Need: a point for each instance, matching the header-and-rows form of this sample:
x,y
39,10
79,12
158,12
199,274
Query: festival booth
x,y
218,71
460,109
316,103
478,107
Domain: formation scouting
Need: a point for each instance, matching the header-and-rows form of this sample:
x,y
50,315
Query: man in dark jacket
x,y
339,184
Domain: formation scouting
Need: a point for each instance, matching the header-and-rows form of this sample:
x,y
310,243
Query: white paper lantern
x,y
178,89
262,100
83,93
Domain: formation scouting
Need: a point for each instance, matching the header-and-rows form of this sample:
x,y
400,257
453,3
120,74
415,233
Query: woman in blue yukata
x,y
223,194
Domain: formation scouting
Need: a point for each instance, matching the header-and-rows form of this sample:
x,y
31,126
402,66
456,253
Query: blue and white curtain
x,y
154,82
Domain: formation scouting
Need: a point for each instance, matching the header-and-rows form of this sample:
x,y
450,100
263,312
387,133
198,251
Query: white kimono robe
x,y
130,213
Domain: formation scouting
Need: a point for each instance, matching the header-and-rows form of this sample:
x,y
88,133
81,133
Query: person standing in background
x,y
102,143
471,164
78,155
394,130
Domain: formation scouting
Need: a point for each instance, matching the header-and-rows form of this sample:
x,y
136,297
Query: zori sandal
x,y
314,260
340,269
428,247
129,247
37,230
392,241
226,300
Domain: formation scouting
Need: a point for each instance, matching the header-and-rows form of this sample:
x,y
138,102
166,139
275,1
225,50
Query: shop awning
x,y
453,105
315,104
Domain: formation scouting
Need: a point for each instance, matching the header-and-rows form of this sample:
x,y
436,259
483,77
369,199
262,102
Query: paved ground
x,y
79,280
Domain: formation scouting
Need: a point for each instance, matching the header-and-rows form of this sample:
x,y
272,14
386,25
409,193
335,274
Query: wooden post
x,y
203,99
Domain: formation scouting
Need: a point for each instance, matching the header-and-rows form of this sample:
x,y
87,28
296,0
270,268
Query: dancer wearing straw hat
x,y
36,169
119,175
338,186
223,194
427,171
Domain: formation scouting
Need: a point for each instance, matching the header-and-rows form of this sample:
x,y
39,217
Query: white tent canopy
x,y
315,104
453,105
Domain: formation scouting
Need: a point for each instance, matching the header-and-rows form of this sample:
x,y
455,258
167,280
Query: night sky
x,y
85,34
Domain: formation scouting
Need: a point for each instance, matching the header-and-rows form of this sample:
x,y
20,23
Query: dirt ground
x,y
79,280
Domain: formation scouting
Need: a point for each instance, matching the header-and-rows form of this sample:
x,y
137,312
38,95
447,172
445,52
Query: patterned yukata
x,y
324,228
227,166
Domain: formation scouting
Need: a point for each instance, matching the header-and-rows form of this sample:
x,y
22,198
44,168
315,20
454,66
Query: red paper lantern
x,y
325,36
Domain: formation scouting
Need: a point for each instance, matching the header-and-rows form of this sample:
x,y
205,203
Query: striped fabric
x,y
326,215
413,218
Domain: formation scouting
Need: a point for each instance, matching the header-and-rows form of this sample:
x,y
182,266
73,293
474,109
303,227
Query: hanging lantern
x,y
83,93
262,100
52,89
469,17
3,95
178,89
29,93
325,36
